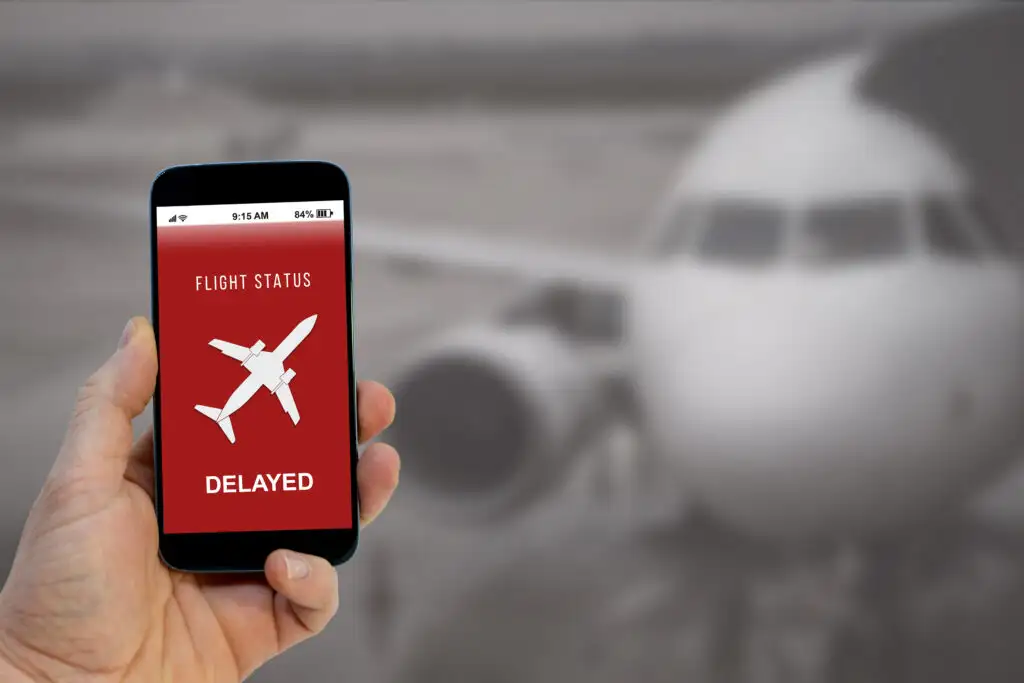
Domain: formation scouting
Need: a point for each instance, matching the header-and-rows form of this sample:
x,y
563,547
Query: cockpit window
x,y
979,214
944,229
742,232
851,231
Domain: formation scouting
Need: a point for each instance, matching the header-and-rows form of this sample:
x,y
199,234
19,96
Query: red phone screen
x,y
254,374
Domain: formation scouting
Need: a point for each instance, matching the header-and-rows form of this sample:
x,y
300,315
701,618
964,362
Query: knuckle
x,y
332,605
332,596
89,398
93,401
63,490
92,387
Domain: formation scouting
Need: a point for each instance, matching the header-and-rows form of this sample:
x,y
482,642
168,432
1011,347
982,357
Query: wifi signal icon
x,y
182,217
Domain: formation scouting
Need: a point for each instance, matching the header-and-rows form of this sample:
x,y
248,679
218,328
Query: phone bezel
x,y
244,183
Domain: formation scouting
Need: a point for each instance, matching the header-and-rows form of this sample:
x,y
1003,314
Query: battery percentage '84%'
x,y
319,213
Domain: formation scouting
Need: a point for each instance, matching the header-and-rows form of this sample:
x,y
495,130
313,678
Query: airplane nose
x,y
792,432
793,403
774,438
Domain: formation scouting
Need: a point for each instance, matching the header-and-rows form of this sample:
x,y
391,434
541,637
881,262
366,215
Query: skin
x,y
88,598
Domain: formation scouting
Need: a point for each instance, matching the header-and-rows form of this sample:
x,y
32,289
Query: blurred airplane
x,y
824,334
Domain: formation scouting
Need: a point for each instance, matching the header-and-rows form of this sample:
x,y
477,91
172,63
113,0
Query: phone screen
x,y
255,382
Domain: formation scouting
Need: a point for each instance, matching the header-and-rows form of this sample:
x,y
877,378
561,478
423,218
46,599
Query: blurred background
x,y
705,320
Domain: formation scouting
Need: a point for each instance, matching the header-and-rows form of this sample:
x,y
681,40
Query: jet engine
x,y
489,418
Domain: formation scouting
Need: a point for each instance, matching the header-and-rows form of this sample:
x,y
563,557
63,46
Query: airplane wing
x,y
284,395
441,248
239,353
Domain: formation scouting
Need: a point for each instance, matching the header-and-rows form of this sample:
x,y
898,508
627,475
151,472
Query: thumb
x,y
99,438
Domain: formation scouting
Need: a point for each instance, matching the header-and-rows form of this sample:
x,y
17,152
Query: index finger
x,y
375,407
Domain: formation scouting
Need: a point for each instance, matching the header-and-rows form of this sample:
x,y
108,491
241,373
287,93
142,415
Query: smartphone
x,y
254,412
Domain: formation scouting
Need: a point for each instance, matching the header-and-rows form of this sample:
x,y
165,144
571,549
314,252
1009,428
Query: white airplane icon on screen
x,y
266,369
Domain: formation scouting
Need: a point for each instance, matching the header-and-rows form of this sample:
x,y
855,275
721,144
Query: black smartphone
x,y
255,407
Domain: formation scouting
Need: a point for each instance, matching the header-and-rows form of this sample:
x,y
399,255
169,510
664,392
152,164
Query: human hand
x,y
88,598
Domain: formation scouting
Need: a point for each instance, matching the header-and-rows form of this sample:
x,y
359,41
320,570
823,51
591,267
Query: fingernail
x,y
297,567
126,335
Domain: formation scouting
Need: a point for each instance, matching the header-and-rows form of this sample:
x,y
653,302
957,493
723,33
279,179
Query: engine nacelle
x,y
489,418
284,379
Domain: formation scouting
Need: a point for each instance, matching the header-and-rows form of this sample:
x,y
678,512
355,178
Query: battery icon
x,y
324,213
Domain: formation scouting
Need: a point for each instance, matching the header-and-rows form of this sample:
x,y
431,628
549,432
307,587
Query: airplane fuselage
x,y
792,401
263,365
